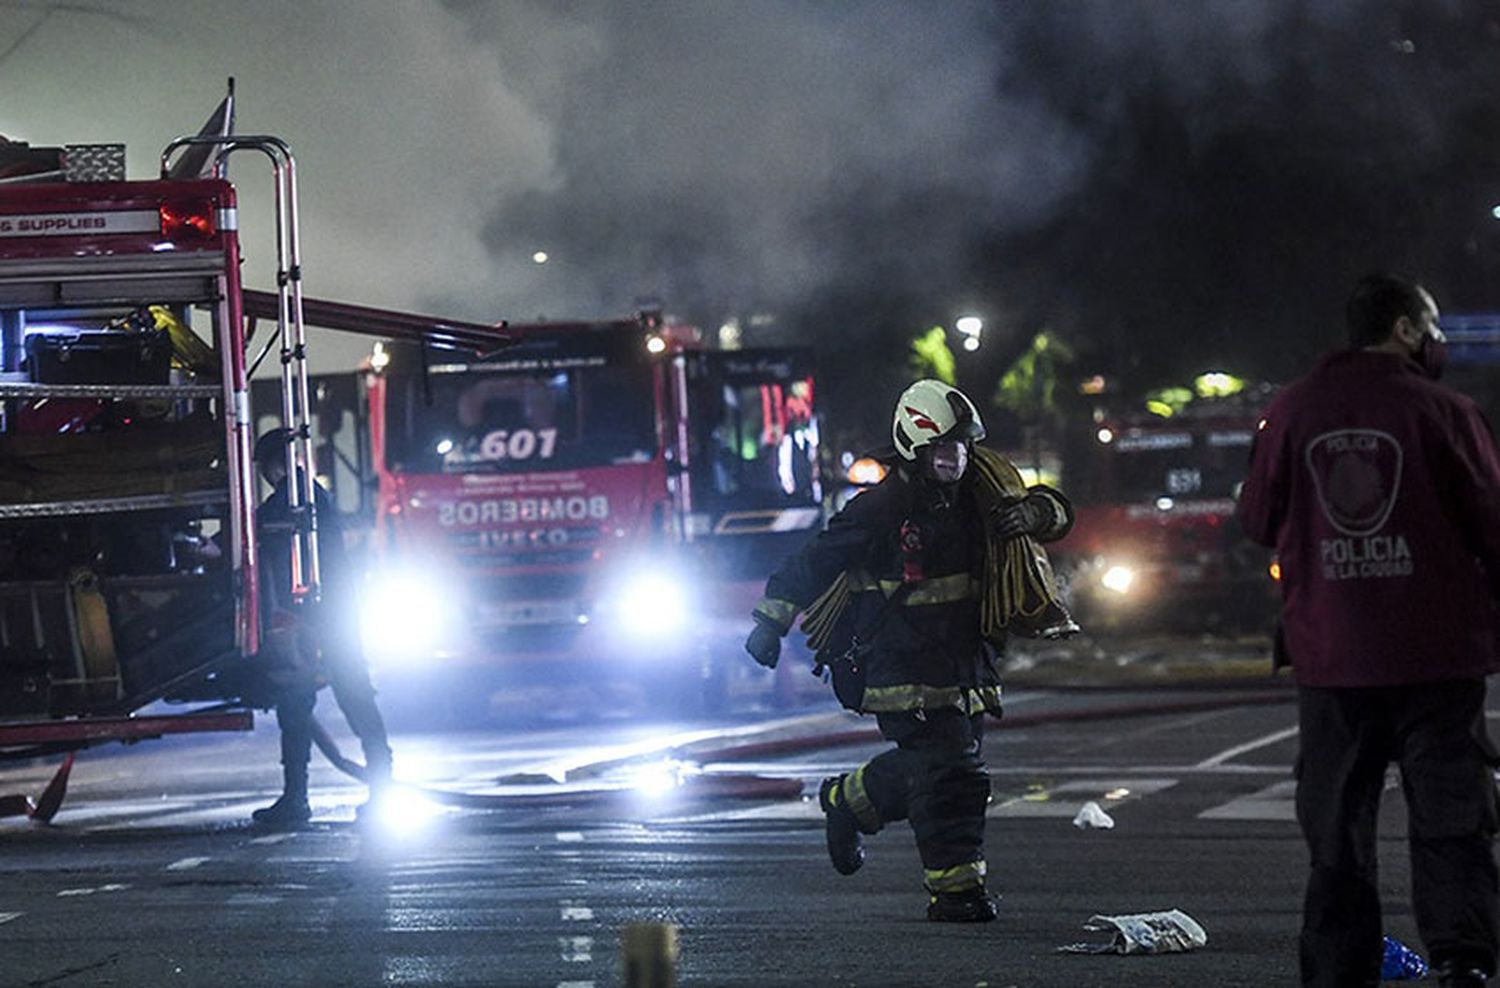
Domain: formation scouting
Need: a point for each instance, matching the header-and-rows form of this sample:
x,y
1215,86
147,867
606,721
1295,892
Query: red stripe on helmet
x,y
922,421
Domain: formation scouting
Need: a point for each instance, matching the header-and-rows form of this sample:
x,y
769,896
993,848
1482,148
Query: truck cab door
x,y
755,443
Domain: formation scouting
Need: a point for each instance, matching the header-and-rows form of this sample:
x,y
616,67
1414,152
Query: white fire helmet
x,y
930,411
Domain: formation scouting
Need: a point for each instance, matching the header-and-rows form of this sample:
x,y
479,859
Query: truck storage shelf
x,y
144,581
26,389
96,506
54,282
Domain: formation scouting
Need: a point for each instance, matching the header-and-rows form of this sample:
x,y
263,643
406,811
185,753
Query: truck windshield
x,y
765,443
493,420
1187,464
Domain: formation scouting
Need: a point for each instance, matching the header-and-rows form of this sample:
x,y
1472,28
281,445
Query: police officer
x,y
328,636
1380,490
906,566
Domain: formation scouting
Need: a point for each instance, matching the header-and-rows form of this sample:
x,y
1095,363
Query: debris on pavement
x,y
1401,963
1167,932
1092,817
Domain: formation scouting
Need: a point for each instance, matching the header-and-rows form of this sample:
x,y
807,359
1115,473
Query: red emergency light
x,y
187,219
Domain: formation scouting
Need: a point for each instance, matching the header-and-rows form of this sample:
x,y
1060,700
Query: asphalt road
x,y
150,875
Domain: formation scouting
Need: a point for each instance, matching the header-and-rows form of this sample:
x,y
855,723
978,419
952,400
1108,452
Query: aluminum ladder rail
x,y
292,332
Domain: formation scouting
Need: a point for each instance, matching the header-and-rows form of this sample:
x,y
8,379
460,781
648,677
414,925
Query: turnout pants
x,y
349,676
935,779
1436,734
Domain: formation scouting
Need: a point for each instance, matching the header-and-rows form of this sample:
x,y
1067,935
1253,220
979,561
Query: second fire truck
x,y
1156,545
598,503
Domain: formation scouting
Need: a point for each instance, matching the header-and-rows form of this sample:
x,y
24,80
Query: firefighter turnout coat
x,y
913,564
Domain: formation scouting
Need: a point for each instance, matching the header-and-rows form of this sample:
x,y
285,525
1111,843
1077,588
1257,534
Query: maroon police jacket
x,y
1380,491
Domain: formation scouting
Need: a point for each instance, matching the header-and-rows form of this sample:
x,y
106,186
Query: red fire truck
x,y
599,502
1156,544
128,554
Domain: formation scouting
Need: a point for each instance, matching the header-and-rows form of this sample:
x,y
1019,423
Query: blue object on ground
x,y
1401,963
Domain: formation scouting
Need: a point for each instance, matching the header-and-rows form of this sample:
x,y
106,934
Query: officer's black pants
x,y
1436,734
933,777
349,676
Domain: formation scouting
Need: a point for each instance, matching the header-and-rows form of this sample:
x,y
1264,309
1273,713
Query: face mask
x,y
947,462
1432,356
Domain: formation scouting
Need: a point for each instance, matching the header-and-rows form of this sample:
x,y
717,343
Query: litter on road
x,y
1170,932
1091,816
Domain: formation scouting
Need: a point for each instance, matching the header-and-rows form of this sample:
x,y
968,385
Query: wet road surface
x,y
150,875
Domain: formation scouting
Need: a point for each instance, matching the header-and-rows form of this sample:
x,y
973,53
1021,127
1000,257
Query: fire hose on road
x,y
590,781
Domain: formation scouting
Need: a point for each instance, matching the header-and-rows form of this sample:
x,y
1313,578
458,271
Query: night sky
x,y
1169,187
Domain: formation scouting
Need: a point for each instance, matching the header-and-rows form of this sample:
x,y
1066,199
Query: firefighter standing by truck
x,y
330,649
908,596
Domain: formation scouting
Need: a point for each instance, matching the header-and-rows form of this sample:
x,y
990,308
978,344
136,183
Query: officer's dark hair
x,y
271,447
1378,300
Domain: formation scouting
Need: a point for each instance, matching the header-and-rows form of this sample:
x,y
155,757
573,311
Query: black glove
x,y
1029,516
764,643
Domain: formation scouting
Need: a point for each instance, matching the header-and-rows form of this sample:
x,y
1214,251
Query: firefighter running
x,y
909,595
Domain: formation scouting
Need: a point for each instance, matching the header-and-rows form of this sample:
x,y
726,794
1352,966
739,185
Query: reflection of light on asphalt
x,y
656,778
400,811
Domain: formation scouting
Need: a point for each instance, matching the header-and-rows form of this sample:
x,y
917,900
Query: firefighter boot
x,y
378,778
970,905
845,846
290,812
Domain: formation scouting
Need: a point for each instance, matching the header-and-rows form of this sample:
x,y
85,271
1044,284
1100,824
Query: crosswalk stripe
x,y
1274,802
1229,754
1067,798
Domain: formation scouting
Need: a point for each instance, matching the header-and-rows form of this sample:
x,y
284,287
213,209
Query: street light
x,y
969,327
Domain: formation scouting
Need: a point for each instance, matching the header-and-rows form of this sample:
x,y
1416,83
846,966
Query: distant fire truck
x,y
600,501
1156,544
128,552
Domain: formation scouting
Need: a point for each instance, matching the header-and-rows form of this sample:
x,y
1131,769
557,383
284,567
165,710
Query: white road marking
x,y
1274,802
577,950
1229,754
569,837
577,913
271,838
575,984
185,864
1108,793
112,887
252,899
7,917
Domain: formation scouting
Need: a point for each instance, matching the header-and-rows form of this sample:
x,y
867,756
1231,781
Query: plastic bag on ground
x,y
1170,932
1401,963
1092,817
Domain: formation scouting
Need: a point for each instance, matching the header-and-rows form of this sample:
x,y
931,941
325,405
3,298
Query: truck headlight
x,y
654,604
403,616
1117,579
